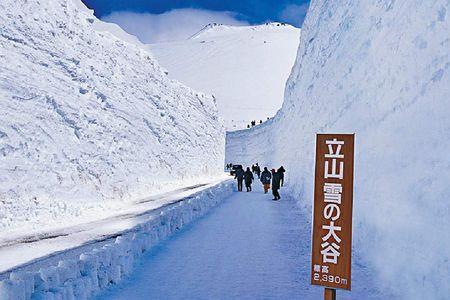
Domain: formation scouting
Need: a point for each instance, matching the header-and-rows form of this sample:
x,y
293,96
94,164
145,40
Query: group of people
x,y
257,170
274,177
253,123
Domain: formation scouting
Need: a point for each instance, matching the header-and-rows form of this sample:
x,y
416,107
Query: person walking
x,y
248,176
281,171
258,171
275,185
239,175
265,180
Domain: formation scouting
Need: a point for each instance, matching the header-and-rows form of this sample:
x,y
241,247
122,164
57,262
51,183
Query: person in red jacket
x,y
266,176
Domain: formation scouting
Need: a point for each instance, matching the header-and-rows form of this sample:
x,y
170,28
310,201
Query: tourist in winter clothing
x,y
248,176
258,171
281,171
275,185
239,175
265,179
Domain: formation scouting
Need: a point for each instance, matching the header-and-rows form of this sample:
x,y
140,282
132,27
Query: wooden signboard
x,y
333,202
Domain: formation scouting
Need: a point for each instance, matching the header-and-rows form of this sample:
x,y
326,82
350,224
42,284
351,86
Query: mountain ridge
x,y
244,67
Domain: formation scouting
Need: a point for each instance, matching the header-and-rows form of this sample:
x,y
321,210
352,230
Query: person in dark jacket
x,y
265,179
258,171
248,176
281,171
239,175
275,185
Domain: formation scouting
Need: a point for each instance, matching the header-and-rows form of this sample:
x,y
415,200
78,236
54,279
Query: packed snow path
x,y
248,248
37,249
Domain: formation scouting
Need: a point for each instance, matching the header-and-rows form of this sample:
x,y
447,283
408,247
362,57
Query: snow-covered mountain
x,y
89,120
380,69
244,67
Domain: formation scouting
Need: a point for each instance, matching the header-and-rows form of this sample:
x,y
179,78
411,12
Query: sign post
x,y
333,203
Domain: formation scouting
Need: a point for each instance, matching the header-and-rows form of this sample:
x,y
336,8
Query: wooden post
x,y
330,294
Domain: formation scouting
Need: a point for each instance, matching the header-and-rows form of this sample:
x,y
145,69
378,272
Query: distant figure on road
x,y
253,168
239,175
248,179
281,171
258,170
265,179
275,185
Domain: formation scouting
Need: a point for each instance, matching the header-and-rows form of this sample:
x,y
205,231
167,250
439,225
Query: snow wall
x,y
380,69
87,116
82,276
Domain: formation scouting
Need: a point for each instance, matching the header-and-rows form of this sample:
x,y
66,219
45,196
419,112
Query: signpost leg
x,y
330,294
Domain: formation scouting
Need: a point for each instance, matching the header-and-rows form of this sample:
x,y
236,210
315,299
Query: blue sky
x,y
253,11
155,21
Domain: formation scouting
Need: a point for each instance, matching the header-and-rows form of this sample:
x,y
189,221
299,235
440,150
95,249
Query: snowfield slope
x,y
244,67
380,69
89,120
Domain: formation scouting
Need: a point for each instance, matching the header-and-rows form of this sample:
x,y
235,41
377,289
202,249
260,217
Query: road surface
x,y
250,247
30,252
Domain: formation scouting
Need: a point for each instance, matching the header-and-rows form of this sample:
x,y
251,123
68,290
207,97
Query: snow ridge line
x,y
95,270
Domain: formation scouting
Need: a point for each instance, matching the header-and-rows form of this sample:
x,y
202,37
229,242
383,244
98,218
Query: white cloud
x,y
294,14
169,26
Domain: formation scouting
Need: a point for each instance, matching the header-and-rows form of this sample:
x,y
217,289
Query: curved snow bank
x,y
380,69
249,146
88,120
81,276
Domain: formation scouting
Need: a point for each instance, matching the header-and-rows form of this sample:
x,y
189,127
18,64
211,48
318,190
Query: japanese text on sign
x,y
331,257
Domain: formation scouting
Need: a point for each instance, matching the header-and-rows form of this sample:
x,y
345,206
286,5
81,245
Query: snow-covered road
x,y
248,248
34,250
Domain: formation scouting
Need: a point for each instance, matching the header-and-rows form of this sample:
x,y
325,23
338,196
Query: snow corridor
x,y
208,242
249,247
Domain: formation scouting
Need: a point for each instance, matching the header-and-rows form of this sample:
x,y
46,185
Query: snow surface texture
x,y
380,69
26,249
249,248
244,67
90,272
89,120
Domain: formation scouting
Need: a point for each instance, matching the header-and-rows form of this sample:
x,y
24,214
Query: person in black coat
x,y
275,185
281,171
266,176
248,177
258,171
239,175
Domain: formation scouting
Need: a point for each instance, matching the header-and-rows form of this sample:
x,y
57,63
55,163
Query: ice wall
x,y
88,117
380,69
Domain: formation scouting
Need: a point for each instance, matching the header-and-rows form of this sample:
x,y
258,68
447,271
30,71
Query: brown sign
x,y
333,202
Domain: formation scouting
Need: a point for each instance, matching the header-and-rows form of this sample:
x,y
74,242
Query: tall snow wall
x,y
88,116
380,69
